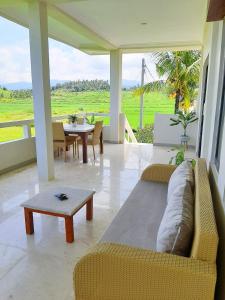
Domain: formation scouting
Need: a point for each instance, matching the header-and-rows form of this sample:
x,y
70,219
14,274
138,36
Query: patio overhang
x,y
97,27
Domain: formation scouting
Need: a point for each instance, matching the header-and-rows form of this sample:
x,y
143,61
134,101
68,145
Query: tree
x,y
181,70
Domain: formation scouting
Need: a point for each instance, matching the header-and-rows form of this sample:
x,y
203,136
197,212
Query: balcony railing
x,y
27,124
129,134
21,151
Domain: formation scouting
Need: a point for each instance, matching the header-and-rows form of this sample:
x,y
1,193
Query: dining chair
x,y
93,139
62,141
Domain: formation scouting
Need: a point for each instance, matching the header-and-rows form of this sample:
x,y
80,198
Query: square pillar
x,y
39,52
115,94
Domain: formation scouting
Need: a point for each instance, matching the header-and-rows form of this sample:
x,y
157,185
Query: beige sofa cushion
x,y
183,172
137,222
176,229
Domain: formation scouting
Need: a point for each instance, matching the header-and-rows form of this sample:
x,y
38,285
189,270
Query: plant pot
x,y
184,139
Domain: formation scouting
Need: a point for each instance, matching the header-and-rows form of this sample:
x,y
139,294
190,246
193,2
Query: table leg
x,y
29,223
69,229
89,210
101,143
84,136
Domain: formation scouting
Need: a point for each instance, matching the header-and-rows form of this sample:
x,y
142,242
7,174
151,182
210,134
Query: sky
x,y
66,63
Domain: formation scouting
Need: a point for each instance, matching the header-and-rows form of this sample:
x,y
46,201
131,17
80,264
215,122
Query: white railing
x,y
16,153
26,124
129,134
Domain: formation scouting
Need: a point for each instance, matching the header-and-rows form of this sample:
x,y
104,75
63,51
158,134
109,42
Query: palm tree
x,y
180,70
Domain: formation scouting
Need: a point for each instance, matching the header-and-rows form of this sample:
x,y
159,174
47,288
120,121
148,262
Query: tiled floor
x,y
41,266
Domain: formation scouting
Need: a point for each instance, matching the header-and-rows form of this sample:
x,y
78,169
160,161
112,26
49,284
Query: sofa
x,y
125,263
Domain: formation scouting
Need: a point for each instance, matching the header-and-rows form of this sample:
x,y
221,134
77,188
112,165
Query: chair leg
x,y
93,147
78,152
73,150
64,154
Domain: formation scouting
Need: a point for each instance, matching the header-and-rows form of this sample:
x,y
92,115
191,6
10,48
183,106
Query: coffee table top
x,y
46,201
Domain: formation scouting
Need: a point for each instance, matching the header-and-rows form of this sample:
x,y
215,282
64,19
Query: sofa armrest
x,y
158,172
113,271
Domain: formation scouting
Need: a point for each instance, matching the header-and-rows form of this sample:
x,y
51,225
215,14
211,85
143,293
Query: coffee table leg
x,y
69,229
89,210
29,223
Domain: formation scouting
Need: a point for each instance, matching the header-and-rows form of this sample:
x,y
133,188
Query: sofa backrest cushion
x,y
205,241
176,228
184,172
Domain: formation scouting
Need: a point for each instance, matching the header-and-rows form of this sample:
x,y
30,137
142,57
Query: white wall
x,y
107,131
164,134
16,153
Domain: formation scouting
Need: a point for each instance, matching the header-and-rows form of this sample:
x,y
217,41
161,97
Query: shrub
x,y
145,135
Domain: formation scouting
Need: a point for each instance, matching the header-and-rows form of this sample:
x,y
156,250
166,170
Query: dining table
x,y
83,130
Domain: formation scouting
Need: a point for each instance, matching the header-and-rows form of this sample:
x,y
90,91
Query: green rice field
x,y
64,102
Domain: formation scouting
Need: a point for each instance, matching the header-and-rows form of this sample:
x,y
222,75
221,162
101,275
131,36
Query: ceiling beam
x,y
51,35
173,46
76,26
100,44
216,11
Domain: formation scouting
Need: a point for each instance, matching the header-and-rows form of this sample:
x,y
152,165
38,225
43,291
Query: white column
x,y
39,52
115,94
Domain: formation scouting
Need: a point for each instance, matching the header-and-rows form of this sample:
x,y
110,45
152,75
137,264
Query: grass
x,y
64,102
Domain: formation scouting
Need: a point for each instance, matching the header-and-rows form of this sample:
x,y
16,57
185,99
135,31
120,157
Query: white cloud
x,y
15,64
66,63
73,65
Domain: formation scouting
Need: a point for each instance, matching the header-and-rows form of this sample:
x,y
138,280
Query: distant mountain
x,y
17,85
130,83
28,85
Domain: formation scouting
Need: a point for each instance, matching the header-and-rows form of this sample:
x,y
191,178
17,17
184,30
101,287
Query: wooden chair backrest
x,y
58,131
97,131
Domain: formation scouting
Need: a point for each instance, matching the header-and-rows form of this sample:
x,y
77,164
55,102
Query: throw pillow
x,y
182,173
177,225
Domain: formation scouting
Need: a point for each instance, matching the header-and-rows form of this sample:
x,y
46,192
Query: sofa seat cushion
x,y
137,222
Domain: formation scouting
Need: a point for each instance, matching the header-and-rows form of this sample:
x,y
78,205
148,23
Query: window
x,y
220,127
203,100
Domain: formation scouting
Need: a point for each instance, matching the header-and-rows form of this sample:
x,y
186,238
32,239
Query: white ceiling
x,y
97,26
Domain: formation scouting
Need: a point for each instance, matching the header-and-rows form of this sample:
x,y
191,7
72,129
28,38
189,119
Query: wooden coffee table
x,y
46,203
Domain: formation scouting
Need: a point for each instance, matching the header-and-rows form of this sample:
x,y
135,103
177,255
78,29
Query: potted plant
x,y
179,157
90,121
184,119
72,119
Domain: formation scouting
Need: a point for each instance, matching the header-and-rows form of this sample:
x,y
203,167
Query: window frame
x,y
220,125
220,108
